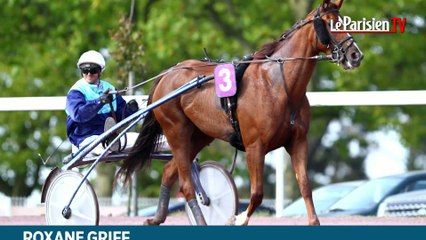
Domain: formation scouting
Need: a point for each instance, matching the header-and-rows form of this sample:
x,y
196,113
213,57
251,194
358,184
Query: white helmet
x,y
92,57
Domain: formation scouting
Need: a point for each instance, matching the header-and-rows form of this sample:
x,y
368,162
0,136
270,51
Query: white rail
x,y
41,103
367,98
373,98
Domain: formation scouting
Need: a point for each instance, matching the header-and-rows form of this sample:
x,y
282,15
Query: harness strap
x,y
293,113
229,104
119,147
232,107
114,116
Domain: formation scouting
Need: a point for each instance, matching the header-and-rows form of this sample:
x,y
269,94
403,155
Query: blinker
x,y
321,30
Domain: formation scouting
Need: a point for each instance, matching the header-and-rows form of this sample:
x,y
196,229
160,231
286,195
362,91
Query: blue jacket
x,y
86,114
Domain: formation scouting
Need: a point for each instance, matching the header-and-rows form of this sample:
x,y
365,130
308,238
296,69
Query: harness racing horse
x,y
273,111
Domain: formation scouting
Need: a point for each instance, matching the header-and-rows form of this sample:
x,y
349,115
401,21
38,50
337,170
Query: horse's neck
x,y
297,74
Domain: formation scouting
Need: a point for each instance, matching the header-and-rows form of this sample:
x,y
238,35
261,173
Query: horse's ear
x,y
338,3
325,4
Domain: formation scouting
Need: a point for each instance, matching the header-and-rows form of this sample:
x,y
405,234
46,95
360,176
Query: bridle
x,y
324,36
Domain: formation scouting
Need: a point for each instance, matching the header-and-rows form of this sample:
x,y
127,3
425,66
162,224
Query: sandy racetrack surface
x,y
182,220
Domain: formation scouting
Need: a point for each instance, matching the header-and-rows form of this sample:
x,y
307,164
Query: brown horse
x,y
272,111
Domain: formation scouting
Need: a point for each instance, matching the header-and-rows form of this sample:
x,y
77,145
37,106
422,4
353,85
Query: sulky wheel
x,y
222,192
84,209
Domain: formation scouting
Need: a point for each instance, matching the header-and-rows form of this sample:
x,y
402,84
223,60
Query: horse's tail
x,y
146,143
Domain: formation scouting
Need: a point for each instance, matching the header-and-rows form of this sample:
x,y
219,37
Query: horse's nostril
x,y
357,56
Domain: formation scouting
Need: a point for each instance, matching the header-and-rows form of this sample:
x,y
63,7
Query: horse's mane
x,y
267,50
271,47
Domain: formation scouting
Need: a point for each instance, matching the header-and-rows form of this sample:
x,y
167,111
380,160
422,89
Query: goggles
x,y
91,70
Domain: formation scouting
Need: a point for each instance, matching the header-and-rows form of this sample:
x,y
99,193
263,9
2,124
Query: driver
x,y
90,108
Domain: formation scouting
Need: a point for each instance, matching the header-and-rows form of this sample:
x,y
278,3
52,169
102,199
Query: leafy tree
x,y
42,41
239,29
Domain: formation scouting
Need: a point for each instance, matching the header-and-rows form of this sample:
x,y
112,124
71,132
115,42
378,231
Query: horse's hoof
x,y
147,222
150,222
242,219
314,222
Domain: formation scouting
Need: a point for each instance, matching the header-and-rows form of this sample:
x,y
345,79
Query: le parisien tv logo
x,y
347,25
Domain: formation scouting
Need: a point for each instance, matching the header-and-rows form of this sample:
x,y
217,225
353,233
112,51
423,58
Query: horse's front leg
x,y
255,163
167,181
299,159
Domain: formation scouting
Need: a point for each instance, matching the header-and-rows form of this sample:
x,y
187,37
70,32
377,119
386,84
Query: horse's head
x,y
341,46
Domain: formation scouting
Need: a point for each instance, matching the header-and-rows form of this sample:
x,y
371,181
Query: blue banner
x,y
211,232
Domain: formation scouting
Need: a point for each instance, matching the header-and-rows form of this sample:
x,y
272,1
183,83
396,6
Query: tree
x,y
230,29
43,41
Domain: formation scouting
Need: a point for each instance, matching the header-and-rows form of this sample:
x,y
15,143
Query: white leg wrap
x,y
242,219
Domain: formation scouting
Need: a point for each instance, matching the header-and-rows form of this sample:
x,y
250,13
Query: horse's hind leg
x,y
185,149
167,182
299,159
170,174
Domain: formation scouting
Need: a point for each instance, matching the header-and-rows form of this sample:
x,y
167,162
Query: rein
x,y
267,59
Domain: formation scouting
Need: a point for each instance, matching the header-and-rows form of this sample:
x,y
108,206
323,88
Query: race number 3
x,y
224,76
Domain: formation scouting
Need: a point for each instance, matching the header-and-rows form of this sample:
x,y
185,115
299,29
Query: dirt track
x,y
182,220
